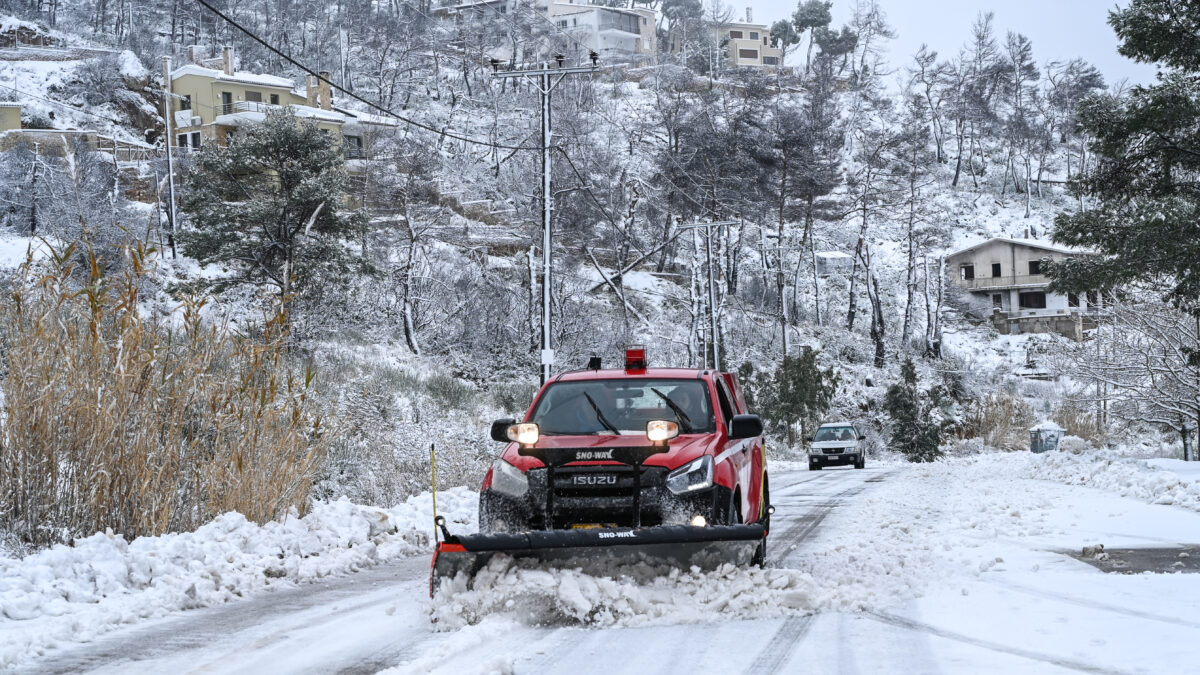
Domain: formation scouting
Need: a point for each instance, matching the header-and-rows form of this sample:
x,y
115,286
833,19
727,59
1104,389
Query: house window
x,y
1033,300
995,269
1093,299
1073,300
504,9
967,272
181,141
226,102
274,99
735,35
254,96
195,140
186,104
574,21
1035,266
353,145
997,300
643,21
753,35
562,24
770,61
748,54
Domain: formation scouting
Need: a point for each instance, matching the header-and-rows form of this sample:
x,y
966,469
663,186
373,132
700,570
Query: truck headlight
x,y
508,479
695,475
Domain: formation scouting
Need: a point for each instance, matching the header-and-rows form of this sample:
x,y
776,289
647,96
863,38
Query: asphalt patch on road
x,y
1184,559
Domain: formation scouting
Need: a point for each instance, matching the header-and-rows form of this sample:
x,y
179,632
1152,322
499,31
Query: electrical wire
x,y
356,97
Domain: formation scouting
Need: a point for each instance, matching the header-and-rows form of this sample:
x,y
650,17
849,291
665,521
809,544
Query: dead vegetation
x,y
113,420
1000,420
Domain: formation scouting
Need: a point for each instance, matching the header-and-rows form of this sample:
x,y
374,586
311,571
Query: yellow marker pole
x,y
433,477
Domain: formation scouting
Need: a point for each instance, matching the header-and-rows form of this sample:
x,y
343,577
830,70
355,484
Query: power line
x,y
356,97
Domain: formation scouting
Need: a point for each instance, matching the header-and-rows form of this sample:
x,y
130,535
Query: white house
x,y
1009,275
628,32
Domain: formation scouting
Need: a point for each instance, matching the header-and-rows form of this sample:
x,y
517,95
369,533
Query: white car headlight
x,y
508,479
695,475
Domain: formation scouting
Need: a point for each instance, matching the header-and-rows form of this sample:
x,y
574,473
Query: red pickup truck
x,y
660,462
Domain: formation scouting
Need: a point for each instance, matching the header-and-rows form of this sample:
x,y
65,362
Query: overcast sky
x,y
1059,29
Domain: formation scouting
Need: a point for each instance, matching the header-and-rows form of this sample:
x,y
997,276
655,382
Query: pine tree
x,y
800,392
268,206
1143,217
917,438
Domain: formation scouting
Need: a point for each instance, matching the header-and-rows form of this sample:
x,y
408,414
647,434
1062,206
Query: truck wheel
x,y
861,463
760,553
731,515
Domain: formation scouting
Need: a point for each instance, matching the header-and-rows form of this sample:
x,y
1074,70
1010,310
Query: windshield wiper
x,y
684,420
600,416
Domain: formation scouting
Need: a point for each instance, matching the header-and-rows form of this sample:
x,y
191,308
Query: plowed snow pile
x,y
78,592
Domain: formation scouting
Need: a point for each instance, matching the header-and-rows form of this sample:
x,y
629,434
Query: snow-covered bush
x,y
1074,445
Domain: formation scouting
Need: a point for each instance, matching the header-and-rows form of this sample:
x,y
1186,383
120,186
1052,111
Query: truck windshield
x,y
835,434
602,406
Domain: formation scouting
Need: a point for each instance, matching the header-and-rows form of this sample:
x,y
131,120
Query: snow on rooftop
x,y
1032,243
238,76
11,23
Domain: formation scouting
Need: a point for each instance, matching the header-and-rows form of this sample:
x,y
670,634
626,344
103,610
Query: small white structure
x,y
829,262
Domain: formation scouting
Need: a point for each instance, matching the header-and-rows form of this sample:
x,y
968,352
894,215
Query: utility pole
x,y
166,62
545,79
708,226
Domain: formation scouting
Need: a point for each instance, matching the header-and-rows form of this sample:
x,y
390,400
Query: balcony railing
x,y
246,106
1003,281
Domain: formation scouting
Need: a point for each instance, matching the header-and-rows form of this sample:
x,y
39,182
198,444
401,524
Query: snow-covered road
x,y
953,567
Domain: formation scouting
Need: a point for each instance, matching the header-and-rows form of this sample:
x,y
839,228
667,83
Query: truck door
x,y
740,459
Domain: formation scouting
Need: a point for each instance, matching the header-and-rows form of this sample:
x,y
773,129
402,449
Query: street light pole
x,y
708,226
545,79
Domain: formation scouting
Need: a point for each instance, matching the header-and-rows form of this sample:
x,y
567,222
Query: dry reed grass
x,y
1000,420
112,421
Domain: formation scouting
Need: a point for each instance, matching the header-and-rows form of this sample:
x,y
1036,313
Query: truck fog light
x,y
526,434
699,521
661,431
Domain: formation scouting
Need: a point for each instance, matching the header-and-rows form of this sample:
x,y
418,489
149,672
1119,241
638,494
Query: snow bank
x,y
1170,482
68,593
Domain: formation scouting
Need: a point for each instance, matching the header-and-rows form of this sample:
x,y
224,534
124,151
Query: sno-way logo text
x,y
613,535
593,454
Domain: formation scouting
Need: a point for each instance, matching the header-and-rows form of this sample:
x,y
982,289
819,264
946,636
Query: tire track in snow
x,y
807,523
1093,604
775,653
1061,662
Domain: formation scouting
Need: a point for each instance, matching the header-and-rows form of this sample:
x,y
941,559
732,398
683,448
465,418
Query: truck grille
x,y
602,494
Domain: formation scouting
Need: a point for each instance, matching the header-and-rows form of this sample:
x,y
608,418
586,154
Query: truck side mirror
x,y
745,426
500,429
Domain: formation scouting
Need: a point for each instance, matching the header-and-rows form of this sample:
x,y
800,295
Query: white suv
x,y
835,443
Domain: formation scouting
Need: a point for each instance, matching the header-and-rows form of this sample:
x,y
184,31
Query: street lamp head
x,y
594,57
495,64
559,58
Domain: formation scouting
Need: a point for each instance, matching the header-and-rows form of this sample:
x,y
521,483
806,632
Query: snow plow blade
x,y
681,546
